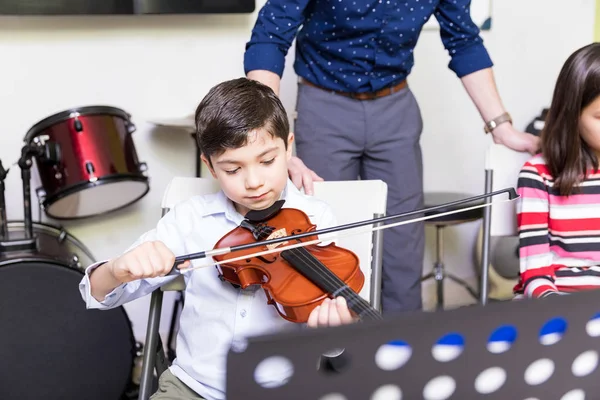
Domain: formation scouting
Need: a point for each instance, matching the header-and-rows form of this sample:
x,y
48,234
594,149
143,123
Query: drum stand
x,y
46,152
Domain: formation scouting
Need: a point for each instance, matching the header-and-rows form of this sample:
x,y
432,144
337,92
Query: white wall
x,y
161,66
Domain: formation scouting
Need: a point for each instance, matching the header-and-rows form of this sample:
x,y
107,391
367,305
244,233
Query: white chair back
x,y
504,165
351,201
182,188
354,201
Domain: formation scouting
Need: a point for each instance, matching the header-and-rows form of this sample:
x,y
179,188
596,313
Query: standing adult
x,y
356,115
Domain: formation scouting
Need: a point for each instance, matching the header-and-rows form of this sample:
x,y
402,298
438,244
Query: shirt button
x,y
243,313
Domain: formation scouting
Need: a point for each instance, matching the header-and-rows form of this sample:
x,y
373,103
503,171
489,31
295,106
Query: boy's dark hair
x,y
234,108
567,155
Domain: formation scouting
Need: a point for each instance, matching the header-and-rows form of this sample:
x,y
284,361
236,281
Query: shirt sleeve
x,y
274,31
169,231
536,271
461,38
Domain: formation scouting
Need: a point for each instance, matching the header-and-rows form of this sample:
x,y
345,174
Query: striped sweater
x,y
559,236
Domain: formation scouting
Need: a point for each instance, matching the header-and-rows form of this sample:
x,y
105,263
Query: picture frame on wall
x,y
124,7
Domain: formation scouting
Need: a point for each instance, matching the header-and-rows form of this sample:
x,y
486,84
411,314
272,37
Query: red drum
x,y
96,169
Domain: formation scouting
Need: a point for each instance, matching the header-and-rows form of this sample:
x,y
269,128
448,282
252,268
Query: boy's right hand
x,y
148,260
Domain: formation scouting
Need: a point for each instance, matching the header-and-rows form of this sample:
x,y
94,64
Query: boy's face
x,y
255,175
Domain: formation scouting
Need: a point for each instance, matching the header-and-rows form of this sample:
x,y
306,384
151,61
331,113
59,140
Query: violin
x,y
296,274
295,280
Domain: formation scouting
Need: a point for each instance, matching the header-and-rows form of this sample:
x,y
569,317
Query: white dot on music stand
x,y
392,356
387,392
333,396
585,363
575,394
490,380
439,388
273,372
539,371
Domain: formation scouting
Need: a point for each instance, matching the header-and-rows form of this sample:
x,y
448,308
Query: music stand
x,y
420,331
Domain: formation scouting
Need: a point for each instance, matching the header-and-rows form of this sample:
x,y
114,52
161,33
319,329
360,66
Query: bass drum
x,y
52,347
503,273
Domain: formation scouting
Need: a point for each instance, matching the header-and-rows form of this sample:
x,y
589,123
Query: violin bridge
x,y
277,234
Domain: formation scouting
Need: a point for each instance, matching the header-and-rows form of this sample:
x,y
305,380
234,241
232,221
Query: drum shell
x,y
96,147
54,244
54,348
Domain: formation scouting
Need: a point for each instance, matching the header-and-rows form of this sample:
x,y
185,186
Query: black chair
x,y
439,273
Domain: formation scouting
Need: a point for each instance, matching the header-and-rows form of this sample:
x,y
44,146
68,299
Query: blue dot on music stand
x,y
552,331
502,339
448,347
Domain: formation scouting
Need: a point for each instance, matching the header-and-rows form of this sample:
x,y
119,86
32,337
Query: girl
x,y
558,214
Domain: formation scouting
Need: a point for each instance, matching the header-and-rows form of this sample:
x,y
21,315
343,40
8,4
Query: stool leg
x,y
438,267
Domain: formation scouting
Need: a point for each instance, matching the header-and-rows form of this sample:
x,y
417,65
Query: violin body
x,y
289,289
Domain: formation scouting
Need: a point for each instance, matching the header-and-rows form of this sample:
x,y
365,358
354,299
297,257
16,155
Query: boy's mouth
x,y
259,197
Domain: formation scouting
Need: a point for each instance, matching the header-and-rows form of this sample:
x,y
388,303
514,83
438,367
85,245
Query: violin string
x,y
331,278
326,274
332,237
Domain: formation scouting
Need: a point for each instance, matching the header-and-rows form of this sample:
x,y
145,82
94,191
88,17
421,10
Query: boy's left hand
x,y
330,313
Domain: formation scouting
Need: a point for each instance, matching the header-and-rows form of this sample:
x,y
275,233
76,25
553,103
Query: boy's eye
x,y
231,171
267,162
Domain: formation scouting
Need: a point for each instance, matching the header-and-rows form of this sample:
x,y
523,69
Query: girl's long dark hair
x,y
567,155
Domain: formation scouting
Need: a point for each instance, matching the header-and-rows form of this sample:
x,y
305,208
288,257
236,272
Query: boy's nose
x,y
253,180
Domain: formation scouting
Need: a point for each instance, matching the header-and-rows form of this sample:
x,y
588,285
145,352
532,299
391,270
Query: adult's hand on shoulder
x,y
512,138
302,176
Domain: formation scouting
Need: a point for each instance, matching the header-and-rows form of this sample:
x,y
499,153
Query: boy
x,y
245,141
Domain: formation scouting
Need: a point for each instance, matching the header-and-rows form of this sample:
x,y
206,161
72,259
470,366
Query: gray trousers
x,y
171,388
343,139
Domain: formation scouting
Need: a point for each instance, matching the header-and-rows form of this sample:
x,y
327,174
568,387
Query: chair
x,y
351,201
502,166
438,272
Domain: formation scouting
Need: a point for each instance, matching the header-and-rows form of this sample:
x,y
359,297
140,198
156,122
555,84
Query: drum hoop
x,y
56,229
65,115
103,180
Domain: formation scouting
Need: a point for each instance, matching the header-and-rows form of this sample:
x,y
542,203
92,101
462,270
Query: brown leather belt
x,y
361,96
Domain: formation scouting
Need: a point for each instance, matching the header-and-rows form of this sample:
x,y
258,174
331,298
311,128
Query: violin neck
x,y
320,275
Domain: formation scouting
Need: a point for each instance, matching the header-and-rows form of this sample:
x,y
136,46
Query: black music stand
x,y
421,331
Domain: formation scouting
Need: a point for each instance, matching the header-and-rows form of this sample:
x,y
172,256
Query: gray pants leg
x,y
171,388
343,139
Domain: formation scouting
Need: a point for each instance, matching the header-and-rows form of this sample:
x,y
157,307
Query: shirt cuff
x,y
470,59
86,291
264,56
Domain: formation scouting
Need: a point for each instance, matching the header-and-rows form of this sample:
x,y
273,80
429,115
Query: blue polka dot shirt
x,y
360,45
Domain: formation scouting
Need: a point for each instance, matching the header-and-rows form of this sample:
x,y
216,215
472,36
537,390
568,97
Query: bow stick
x,y
512,195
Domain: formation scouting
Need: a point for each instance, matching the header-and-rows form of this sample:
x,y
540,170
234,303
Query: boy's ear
x,y
290,145
207,163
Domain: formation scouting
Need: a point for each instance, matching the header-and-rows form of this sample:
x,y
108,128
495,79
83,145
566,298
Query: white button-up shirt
x,y
216,316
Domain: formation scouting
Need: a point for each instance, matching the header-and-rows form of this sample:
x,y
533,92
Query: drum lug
x,y
41,194
143,167
89,166
131,127
77,125
75,262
